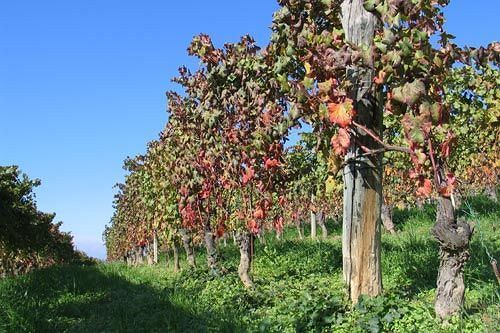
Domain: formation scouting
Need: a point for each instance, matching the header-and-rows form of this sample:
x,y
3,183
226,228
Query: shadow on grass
x,y
412,256
481,204
413,264
302,257
87,299
402,216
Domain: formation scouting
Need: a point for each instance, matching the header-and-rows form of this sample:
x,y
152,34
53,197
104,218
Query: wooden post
x,y
313,219
155,248
362,174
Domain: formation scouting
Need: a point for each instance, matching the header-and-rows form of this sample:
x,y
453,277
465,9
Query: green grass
x,y
298,289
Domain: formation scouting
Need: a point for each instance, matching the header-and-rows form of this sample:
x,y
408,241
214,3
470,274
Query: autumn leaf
x,y
330,185
447,190
266,118
248,175
253,227
341,141
278,223
446,145
409,93
380,78
413,174
326,86
205,194
334,162
271,163
307,67
341,113
220,230
425,188
258,213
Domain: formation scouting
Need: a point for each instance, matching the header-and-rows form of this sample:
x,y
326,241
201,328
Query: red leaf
x,y
341,113
271,163
258,213
233,136
413,174
248,175
447,190
205,194
253,226
266,118
425,188
341,141
220,230
278,223
450,178
446,145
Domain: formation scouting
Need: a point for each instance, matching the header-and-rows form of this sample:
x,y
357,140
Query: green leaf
x,y
308,83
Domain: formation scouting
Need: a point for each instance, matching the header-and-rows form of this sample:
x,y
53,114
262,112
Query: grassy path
x,y
298,288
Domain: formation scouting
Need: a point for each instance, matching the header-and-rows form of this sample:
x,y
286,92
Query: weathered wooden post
x,y
155,248
362,174
313,218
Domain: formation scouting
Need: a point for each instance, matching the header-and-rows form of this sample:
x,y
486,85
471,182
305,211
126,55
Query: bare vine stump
x,y
491,193
139,260
188,247
321,222
300,228
419,204
279,235
387,218
177,266
212,257
261,237
362,174
453,237
142,254
300,231
130,258
147,255
244,243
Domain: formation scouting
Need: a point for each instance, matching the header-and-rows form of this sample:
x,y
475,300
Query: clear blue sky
x,y
82,85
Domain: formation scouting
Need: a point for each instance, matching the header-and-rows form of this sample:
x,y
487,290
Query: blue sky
x,y
83,82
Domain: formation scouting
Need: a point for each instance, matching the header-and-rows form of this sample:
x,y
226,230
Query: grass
x,y
298,289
